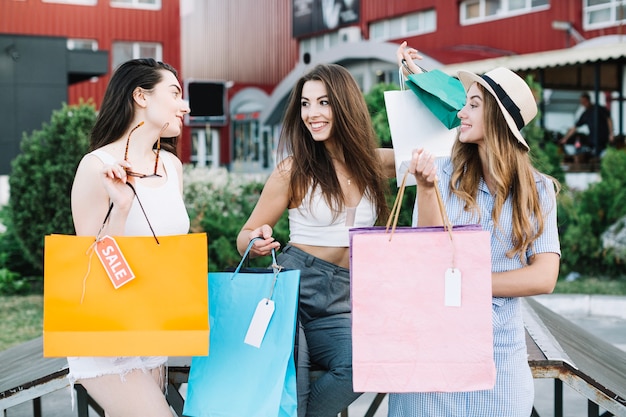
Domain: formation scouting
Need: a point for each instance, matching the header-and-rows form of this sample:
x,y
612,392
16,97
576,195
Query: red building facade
x,y
104,22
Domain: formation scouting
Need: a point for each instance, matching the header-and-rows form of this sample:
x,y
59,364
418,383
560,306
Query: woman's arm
x,y
538,277
388,161
273,202
95,187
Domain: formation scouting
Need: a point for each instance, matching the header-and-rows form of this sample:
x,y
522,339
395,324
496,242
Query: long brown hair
x,y
311,163
117,109
512,173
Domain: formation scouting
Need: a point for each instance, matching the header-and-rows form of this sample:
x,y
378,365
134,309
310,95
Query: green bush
x,y
42,176
219,203
585,215
11,283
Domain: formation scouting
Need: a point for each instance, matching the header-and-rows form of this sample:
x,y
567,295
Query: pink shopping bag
x,y
421,309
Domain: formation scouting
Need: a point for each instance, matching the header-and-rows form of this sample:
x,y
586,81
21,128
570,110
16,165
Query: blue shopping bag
x,y
239,379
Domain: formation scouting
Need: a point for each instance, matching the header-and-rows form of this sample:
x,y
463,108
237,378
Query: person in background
x,y
600,133
489,179
333,177
142,103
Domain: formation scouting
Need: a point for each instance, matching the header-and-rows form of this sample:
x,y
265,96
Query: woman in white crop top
x,y
333,177
142,103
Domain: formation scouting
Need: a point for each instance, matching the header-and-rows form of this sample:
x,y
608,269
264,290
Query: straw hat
x,y
513,95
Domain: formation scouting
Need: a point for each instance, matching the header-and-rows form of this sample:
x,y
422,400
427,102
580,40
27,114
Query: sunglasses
x,y
158,149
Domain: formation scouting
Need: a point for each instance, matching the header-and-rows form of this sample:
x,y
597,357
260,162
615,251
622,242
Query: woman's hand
x,y
114,179
406,57
422,166
263,246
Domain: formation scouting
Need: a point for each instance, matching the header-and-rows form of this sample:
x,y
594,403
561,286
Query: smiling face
x,y
315,110
471,115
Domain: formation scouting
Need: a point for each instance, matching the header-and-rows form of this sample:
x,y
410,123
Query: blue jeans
x,y
325,334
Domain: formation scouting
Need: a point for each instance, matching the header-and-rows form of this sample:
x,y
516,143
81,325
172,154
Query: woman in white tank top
x,y
333,177
142,103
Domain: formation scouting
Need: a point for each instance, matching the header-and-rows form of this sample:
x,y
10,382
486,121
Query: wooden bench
x,y
557,349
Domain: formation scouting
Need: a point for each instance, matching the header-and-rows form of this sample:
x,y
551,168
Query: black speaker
x,y
207,100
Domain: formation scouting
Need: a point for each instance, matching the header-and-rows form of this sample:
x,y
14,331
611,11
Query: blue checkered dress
x,y
513,394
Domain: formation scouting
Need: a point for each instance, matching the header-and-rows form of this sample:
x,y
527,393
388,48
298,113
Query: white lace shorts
x,y
90,367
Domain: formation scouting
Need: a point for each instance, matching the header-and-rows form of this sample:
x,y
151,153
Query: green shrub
x,y
42,176
585,215
11,283
11,253
219,203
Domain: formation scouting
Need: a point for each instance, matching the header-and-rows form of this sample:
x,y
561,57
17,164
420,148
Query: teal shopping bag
x,y
443,94
238,379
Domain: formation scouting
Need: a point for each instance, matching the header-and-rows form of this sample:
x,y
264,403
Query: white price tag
x,y
260,322
453,288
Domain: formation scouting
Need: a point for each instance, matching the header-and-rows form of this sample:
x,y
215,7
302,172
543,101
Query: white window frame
x,y
136,4
503,10
75,2
612,6
397,28
76,44
136,48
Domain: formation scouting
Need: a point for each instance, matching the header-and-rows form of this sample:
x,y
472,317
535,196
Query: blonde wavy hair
x,y
512,172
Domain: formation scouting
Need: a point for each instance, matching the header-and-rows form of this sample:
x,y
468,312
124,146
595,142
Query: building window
x,y
330,40
251,152
76,2
82,44
408,25
602,13
137,4
123,51
478,11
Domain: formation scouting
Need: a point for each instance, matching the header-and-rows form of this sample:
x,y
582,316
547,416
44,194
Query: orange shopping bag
x,y
162,311
421,309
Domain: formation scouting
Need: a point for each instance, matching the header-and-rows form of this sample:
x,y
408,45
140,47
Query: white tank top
x,y
315,224
164,205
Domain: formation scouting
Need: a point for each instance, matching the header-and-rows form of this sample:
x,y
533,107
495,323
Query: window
x,y
123,51
603,13
137,4
329,40
407,25
82,44
478,11
77,2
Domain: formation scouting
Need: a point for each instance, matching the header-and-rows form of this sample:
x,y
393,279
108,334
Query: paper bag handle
x,y
247,252
395,211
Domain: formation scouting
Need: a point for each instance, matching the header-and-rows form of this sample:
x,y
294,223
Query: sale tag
x,y
113,261
259,323
453,288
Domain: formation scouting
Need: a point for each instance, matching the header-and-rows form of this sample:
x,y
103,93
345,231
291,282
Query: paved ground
x,y
604,316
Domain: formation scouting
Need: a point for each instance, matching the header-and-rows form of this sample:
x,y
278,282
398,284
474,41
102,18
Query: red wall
x,y
100,22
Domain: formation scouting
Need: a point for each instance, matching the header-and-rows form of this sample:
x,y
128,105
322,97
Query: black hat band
x,y
506,101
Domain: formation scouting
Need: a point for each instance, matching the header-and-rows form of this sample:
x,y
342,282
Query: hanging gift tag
x,y
113,261
453,288
260,322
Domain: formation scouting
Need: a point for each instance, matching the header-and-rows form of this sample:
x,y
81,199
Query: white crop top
x,y
164,205
313,224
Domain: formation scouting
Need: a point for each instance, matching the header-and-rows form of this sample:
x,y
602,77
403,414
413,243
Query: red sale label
x,y
113,261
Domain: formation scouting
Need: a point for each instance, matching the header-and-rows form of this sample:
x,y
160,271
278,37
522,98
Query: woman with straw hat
x,y
489,179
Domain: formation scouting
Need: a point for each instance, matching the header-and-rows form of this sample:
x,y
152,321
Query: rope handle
x,y
106,218
395,211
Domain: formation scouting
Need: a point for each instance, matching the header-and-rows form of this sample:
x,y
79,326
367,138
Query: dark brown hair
x,y
352,129
117,109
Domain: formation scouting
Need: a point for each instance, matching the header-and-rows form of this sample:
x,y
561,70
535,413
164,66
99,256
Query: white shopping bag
x,y
413,126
